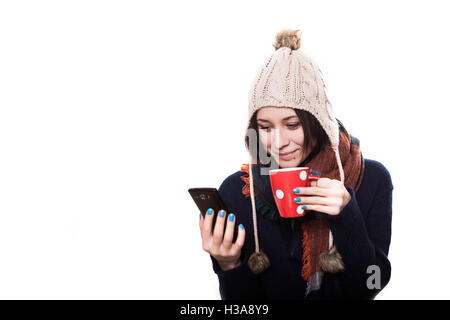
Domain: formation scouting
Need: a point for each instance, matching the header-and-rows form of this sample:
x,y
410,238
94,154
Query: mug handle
x,y
313,178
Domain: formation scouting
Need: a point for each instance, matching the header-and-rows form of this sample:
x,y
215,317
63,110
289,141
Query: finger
x,y
240,238
324,201
207,223
316,191
200,222
229,232
219,227
324,182
331,210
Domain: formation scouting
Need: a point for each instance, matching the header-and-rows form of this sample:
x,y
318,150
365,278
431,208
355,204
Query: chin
x,y
294,162
289,164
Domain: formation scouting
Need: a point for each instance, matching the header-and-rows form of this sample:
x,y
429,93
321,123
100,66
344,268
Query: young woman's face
x,y
287,140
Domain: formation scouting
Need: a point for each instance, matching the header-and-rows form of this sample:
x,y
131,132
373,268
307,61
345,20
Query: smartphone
x,y
206,198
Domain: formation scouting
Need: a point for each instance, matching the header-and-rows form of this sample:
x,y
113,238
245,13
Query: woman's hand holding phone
x,y
217,240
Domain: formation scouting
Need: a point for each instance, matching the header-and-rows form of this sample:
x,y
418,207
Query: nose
x,y
280,139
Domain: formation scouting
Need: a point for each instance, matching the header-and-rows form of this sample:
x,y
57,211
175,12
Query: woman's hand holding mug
x,y
217,240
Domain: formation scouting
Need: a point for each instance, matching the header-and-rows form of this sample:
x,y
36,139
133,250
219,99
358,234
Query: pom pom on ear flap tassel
x,y
331,261
258,262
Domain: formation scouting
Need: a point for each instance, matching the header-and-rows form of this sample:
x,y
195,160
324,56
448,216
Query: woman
x,y
339,248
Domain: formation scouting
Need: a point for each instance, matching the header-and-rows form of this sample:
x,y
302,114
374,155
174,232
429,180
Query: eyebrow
x,y
263,120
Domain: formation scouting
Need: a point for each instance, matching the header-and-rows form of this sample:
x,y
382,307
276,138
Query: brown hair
x,y
315,138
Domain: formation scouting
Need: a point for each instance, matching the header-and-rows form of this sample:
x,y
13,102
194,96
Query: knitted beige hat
x,y
289,78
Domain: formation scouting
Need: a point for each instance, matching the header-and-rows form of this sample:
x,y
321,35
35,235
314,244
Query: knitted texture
x,y
289,78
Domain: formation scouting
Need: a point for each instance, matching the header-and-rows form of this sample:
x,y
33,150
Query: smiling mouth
x,y
287,153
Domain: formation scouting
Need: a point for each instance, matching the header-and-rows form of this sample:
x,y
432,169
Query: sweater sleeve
x,y
363,242
238,283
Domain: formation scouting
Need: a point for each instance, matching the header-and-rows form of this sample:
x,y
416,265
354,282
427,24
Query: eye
x,y
293,125
264,128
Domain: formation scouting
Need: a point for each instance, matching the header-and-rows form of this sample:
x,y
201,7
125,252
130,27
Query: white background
x,y
111,110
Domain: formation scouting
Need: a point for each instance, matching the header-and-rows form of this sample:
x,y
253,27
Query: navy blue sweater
x,y
361,231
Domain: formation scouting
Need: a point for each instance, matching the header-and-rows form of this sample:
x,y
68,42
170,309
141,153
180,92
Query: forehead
x,y
275,113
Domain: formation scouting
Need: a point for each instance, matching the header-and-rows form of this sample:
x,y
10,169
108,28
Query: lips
x,y
287,155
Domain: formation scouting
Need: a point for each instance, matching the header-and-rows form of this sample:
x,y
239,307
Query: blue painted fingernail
x,y
210,211
221,213
231,218
200,218
241,226
296,190
297,200
303,207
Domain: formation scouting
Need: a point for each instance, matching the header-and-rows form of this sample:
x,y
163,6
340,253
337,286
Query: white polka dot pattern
x,y
303,175
280,194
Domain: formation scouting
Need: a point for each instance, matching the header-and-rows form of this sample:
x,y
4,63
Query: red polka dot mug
x,y
283,182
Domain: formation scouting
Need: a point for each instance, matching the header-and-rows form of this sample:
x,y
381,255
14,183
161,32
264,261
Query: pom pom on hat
x,y
287,38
